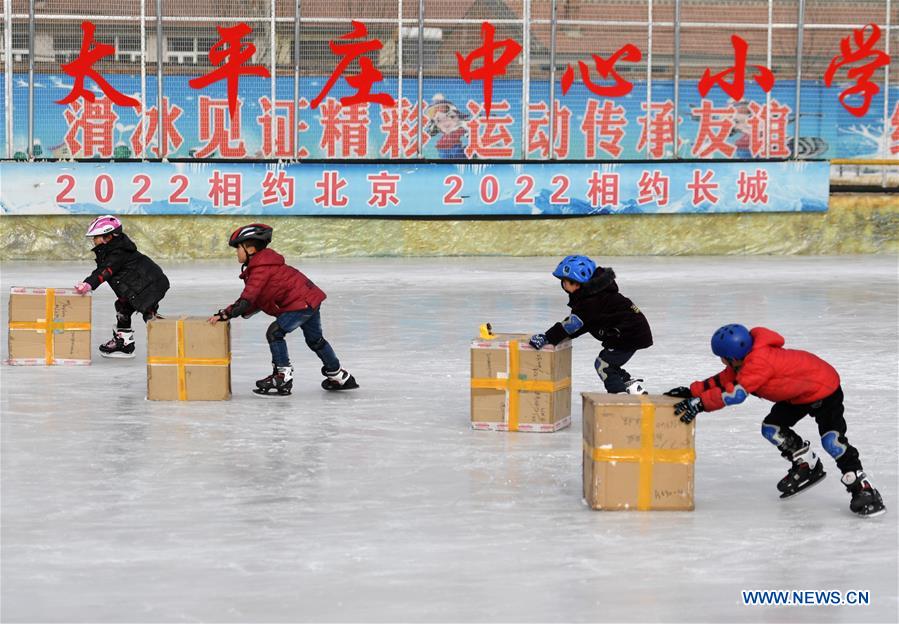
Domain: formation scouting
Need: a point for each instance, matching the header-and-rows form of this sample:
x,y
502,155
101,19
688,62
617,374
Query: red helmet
x,y
253,231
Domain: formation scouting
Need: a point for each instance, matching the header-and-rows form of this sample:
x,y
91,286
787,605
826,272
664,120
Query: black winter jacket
x,y
131,274
599,309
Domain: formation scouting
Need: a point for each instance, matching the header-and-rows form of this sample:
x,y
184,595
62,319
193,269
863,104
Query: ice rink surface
x,y
383,505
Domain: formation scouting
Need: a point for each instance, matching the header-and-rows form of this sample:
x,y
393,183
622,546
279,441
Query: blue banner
x,y
413,189
454,123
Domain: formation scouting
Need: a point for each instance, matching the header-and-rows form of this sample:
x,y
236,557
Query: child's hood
x,y
118,242
603,280
764,337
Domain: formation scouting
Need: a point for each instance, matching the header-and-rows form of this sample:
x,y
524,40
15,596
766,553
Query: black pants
x,y
828,413
608,366
124,310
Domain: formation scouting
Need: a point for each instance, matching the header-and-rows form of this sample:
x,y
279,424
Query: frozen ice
x,y
383,505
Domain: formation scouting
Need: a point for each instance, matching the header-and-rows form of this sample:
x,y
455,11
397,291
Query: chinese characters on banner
x,y
231,55
83,67
894,136
415,188
350,126
860,74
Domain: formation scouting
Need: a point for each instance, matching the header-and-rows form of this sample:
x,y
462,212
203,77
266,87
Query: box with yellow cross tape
x,y
514,387
637,454
49,327
188,359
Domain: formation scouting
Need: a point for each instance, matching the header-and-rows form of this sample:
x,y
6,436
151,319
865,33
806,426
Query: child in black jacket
x,y
599,309
138,282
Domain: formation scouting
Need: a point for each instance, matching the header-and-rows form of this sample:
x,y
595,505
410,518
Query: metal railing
x,y
280,25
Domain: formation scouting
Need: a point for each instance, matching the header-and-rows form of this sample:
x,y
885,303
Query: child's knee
x,y
785,439
316,344
601,367
835,444
274,333
772,433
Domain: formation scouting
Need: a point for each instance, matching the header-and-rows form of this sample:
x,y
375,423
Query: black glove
x,y
688,408
240,307
538,341
612,332
681,392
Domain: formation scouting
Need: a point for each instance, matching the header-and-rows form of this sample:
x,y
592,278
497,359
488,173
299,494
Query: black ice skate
x,y
805,472
279,383
121,345
866,501
338,380
635,386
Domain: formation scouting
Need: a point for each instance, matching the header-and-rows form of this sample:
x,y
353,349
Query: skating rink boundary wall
x,y
854,224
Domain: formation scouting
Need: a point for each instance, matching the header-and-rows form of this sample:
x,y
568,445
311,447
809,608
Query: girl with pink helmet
x,y
137,281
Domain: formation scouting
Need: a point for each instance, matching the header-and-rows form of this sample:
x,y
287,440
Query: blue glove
x,y
538,341
681,392
688,408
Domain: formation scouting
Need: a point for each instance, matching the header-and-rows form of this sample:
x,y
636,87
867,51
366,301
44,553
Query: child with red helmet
x,y
800,383
599,309
285,293
138,282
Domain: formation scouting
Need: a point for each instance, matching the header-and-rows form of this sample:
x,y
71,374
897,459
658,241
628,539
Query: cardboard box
x,y
188,360
637,453
514,387
49,327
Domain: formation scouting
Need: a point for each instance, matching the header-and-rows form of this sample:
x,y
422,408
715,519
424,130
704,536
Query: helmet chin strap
x,y
247,251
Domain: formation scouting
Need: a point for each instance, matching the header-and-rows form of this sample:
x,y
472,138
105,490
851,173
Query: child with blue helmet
x,y
800,384
599,309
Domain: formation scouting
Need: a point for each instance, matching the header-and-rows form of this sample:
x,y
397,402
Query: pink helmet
x,y
107,224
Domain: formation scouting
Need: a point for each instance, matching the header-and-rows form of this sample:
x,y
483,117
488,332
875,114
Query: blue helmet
x,y
732,342
576,268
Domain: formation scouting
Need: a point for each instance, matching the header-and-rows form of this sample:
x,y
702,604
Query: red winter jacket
x,y
275,288
771,372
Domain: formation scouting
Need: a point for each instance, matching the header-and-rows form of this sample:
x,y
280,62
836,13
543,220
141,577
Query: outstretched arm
x,y
238,308
709,395
102,273
570,327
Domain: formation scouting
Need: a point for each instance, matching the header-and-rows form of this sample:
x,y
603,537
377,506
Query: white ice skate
x,y
121,345
338,380
635,386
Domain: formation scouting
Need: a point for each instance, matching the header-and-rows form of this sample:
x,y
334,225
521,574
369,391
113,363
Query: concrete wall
x,y
855,224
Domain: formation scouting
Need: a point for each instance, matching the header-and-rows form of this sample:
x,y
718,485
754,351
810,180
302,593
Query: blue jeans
x,y
311,322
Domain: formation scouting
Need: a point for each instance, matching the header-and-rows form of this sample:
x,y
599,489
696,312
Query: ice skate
x,y
121,345
806,471
279,383
338,380
866,501
635,386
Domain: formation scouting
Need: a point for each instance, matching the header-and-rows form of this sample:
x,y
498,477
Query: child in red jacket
x,y
800,383
283,292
